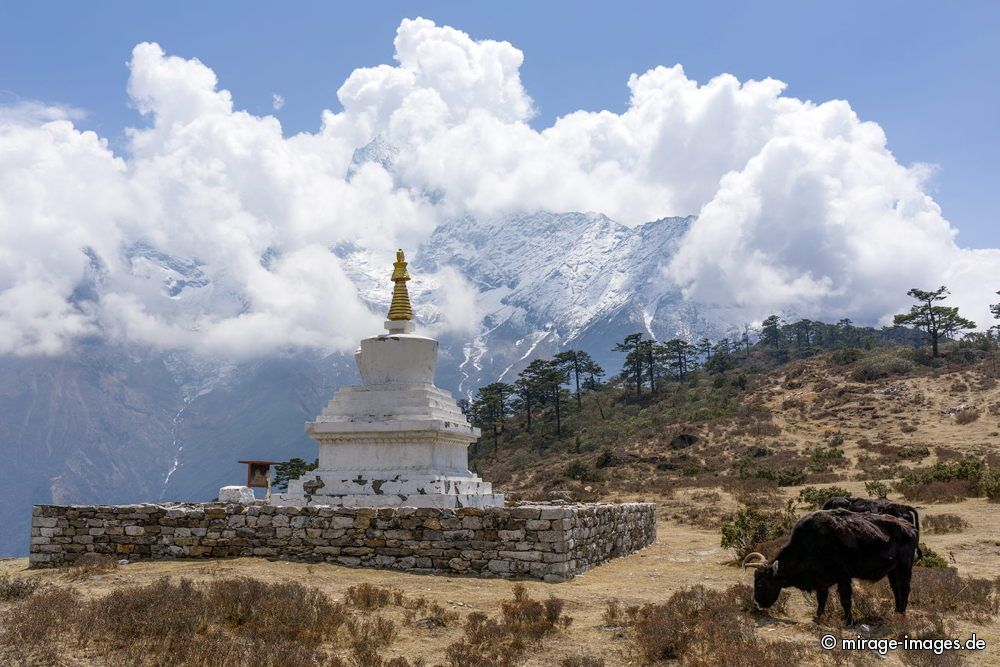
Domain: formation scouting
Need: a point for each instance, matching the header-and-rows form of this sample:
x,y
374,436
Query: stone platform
x,y
541,541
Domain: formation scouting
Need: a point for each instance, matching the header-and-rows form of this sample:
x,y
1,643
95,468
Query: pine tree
x,y
705,348
938,322
679,354
551,376
491,408
577,363
529,387
632,347
770,332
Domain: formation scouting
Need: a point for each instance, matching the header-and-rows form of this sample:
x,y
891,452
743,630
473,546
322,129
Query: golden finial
x,y
400,309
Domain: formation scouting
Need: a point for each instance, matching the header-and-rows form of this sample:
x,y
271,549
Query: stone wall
x,y
544,541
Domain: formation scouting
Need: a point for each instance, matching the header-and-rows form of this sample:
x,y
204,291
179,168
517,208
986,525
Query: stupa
x,y
396,440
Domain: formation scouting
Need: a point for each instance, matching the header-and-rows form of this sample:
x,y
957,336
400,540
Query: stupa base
x,y
354,489
436,500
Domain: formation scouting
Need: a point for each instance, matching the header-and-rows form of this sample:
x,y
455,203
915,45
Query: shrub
x,y
930,558
368,596
881,366
500,642
876,488
989,484
946,480
222,622
699,626
966,416
91,564
606,459
17,588
821,458
917,452
782,476
580,471
846,356
582,661
943,591
370,632
752,526
34,625
815,497
937,492
943,523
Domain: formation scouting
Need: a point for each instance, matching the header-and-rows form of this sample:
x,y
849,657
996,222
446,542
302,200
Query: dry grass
x,y
90,565
581,661
368,597
224,622
699,626
966,416
500,642
942,524
17,588
935,593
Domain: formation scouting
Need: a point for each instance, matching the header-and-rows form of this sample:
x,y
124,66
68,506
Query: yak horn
x,y
757,564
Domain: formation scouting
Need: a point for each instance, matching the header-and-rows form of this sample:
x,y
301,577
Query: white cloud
x,y
801,206
277,101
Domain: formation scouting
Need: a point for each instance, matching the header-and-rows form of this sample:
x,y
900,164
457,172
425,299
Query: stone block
x,y
237,495
510,535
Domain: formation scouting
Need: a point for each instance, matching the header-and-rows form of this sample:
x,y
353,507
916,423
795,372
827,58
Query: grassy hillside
x,y
766,425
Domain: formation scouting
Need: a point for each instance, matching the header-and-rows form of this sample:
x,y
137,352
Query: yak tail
x,y
916,524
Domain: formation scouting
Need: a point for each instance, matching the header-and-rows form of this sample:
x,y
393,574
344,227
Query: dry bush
x,y
941,524
368,596
816,497
763,429
35,625
754,492
438,617
945,480
370,632
966,416
582,661
223,622
613,615
17,588
932,492
500,642
876,488
750,527
91,564
941,591
704,627
531,618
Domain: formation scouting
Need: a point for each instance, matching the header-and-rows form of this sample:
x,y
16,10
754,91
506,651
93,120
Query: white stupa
x,y
396,440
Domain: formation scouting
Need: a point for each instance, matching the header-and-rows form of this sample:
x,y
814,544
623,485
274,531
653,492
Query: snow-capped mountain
x,y
545,282
111,424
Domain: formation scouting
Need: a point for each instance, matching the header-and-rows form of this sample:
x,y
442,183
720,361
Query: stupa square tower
x,y
397,440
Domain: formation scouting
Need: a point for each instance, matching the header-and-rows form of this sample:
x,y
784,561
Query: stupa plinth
x,y
396,440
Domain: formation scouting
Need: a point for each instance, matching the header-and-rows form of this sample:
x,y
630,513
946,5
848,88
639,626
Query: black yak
x,y
832,547
878,506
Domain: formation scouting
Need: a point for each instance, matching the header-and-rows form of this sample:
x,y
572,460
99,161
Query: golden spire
x,y
400,309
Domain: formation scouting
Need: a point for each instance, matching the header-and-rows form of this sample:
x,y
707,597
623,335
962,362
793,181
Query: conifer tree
x,y
632,347
577,363
937,322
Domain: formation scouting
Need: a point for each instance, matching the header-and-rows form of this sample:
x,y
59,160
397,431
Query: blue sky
x,y
925,71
